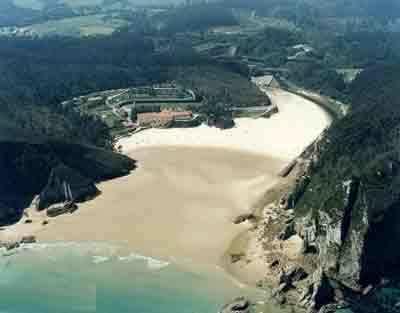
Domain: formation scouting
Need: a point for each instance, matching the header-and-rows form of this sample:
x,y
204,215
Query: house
x,y
271,82
162,119
267,81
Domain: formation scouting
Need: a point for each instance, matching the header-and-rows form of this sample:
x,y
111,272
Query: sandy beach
x,y
283,136
179,203
190,185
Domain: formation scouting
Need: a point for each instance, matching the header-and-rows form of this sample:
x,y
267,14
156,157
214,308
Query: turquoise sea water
x,y
92,277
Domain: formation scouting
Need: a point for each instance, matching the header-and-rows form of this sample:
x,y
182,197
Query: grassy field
x,y
79,26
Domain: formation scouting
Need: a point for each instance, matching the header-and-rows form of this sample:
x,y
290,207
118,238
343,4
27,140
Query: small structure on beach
x,y
270,81
266,81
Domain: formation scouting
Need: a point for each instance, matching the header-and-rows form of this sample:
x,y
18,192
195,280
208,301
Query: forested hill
x,y
199,17
51,70
42,142
37,75
370,129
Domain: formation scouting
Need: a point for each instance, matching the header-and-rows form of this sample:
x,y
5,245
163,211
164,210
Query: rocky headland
x,y
41,175
326,239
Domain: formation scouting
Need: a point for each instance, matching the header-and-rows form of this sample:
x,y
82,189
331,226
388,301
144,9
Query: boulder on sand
x,y
243,218
28,239
237,305
64,185
10,245
61,208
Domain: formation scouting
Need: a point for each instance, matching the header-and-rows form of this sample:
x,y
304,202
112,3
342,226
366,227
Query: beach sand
x,y
190,184
179,203
283,136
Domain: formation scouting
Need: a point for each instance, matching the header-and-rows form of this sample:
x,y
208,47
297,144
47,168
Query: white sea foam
x,y
152,263
97,259
91,248
36,246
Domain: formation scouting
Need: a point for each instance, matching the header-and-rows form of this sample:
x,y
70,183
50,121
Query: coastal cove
x,y
180,203
157,212
199,156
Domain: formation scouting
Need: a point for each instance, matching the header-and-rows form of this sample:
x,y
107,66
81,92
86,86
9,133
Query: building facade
x,y
162,119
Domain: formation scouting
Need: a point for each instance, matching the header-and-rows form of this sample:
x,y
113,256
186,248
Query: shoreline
x,y
173,223
254,266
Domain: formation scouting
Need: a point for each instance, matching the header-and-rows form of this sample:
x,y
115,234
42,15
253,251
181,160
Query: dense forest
x,y
37,75
50,70
271,44
198,17
367,136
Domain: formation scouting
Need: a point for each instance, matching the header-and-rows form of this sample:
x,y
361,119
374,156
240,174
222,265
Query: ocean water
x,y
93,277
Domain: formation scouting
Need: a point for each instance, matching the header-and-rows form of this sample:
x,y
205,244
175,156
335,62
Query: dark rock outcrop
x,y
288,231
244,218
295,274
66,185
356,240
28,239
237,257
221,122
237,305
58,171
11,245
61,208
318,292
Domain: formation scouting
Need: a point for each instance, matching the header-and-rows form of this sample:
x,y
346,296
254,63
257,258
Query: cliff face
x,y
352,236
66,184
347,206
57,171
356,239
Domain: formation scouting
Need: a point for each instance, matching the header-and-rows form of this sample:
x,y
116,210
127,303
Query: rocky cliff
x,y
347,204
56,171
66,184
351,225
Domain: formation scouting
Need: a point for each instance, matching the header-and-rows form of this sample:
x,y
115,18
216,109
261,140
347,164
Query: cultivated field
x,y
79,26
